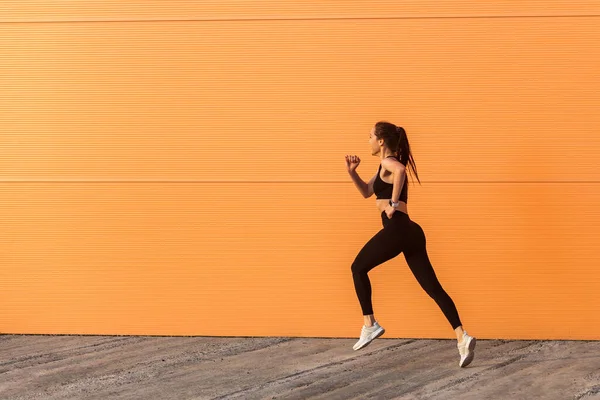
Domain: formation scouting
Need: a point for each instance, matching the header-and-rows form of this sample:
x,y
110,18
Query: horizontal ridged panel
x,y
519,260
481,100
88,10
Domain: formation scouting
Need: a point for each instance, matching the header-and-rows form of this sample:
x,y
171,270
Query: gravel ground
x,y
159,367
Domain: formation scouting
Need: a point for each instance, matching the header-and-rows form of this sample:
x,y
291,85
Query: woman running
x,y
399,235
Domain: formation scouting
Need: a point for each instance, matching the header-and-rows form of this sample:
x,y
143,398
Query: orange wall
x,y
177,167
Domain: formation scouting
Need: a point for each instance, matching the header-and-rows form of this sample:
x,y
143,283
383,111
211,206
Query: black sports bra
x,y
383,190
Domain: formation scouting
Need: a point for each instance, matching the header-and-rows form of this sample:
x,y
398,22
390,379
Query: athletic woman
x,y
399,234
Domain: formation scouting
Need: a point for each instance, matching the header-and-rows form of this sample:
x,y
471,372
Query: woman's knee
x,y
435,291
359,266
356,268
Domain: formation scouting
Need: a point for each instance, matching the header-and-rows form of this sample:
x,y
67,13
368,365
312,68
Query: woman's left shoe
x,y
368,334
466,348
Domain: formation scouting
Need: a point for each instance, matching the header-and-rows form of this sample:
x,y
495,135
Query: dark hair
x,y
395,137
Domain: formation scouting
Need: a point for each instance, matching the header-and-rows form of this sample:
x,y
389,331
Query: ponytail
x,y
395,137
404,153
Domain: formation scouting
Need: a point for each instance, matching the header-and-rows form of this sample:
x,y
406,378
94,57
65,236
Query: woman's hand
x,y
389,211
352,162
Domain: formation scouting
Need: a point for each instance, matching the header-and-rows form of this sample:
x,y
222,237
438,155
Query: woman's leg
x,y
382,247
420,265
418,261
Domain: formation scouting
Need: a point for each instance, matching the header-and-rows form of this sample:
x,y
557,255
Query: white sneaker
x,y
466,348
367,335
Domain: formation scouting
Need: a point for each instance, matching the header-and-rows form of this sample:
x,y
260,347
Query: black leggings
x,y
400,234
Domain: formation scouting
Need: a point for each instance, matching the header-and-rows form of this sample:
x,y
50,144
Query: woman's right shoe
x,y
368,334
466,348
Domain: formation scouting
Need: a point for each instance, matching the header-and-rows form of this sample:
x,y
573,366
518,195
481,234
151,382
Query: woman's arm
x,y
398,171
361,185
366,189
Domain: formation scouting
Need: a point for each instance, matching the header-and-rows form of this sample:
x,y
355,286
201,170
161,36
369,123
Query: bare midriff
x,y
383,203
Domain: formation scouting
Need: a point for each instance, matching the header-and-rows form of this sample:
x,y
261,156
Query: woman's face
x,y
374,142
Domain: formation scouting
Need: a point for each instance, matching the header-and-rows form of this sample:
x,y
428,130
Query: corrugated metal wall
x,y
177,167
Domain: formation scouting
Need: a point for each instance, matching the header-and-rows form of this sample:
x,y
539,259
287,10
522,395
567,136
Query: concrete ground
x,y
152,368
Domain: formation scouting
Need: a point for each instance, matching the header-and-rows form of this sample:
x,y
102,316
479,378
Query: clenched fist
x,y
352,162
